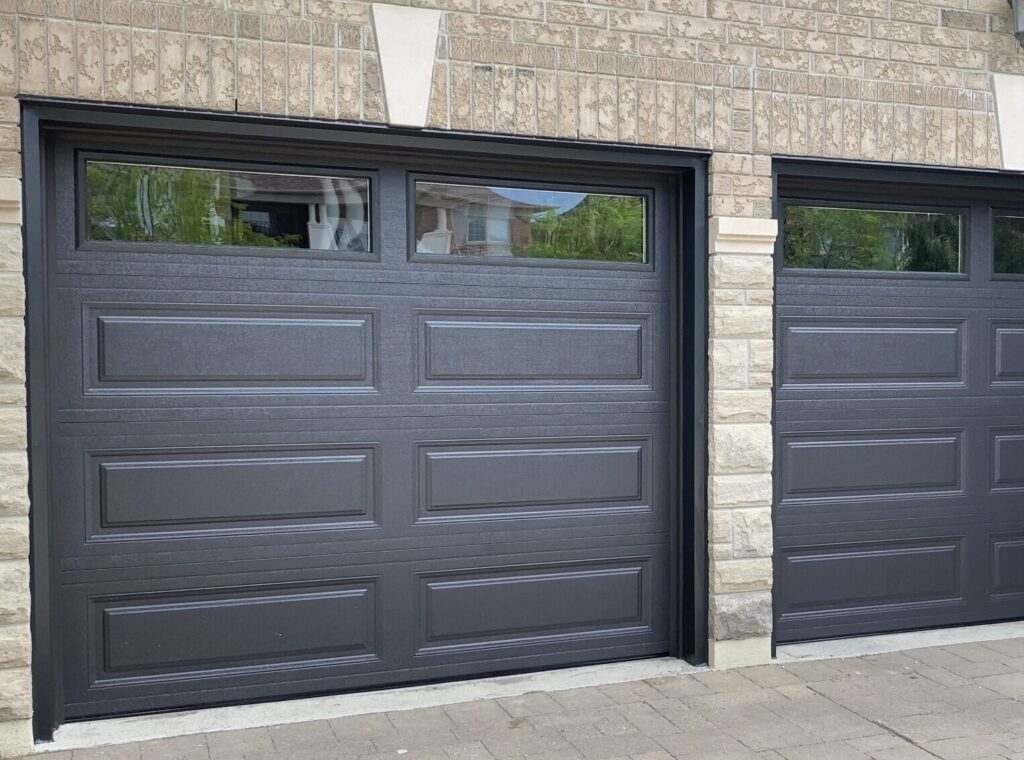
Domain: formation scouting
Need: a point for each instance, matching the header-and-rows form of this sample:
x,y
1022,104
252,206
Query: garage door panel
x,y
364,484
854,351
532,351
499,479
1006,581
842,579
871,465
494,608
216,637
248,628
1007,352
899,441
285,471
230,488
214,357
228,349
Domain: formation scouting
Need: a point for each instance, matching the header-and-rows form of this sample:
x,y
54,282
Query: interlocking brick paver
x,y
962,702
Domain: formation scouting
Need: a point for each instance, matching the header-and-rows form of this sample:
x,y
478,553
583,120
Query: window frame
x,y
818,201
997,211
520,183
85,245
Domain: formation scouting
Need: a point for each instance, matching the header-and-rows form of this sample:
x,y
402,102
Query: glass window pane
x,y
137,203
494,221
869,240
1009,245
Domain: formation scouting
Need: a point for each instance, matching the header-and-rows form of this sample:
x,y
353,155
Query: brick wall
x,y
880,80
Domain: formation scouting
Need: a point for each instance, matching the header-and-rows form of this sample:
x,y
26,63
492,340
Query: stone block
x,y
728,366
742,272
752,532
12,350
14,593
15,646
738,575
16,738
13,538
738,449
737,616
13,428
741,405
15,694
741,321
730,491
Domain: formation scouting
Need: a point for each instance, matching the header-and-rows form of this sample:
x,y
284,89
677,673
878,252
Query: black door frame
x,y
689,346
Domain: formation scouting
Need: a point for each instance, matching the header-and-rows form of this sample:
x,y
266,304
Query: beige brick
x,y
738,616
15,647
752,532
13,482
14,606
10,248
741,405
741,321
739,449
13,430
12,349
15,692
728,360
13,538
730,491
739,575
16,738
719,532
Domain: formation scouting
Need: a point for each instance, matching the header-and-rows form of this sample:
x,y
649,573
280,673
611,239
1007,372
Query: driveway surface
x,y
961,702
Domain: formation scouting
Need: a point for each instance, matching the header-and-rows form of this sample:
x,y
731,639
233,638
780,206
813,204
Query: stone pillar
x,y
15,638
741,289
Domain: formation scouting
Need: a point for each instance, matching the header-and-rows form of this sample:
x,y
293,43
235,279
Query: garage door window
x,y
142,203
507,222
865,239
1008,235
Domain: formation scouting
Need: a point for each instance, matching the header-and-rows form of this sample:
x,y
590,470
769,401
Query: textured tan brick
x,y
13,480
14,609
738,575
740,448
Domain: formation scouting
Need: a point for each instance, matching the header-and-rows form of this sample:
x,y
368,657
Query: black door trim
x,y
689,360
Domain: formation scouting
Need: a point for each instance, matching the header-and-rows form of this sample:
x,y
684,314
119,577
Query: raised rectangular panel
x,y
529,350
207,349
167,490
1007,352
510,478
467,610
1007,565
850,578
843,352
240,628
1007,460
871,465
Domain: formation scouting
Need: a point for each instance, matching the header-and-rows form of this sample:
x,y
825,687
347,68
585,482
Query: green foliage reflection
x,y
599,228
161,204
1009,244
861,239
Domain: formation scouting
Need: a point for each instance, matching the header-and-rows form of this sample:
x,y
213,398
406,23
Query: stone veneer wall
x,y
879,80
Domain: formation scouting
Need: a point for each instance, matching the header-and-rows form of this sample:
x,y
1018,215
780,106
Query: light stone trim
x,y
406,45
10,200
1009,92
741,653
742,235
741,282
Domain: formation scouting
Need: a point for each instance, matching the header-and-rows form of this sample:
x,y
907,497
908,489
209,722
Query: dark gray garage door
x,y
325,422
900,407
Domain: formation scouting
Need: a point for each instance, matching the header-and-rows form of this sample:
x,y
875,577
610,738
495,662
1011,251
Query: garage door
x,y
900,407
325,421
